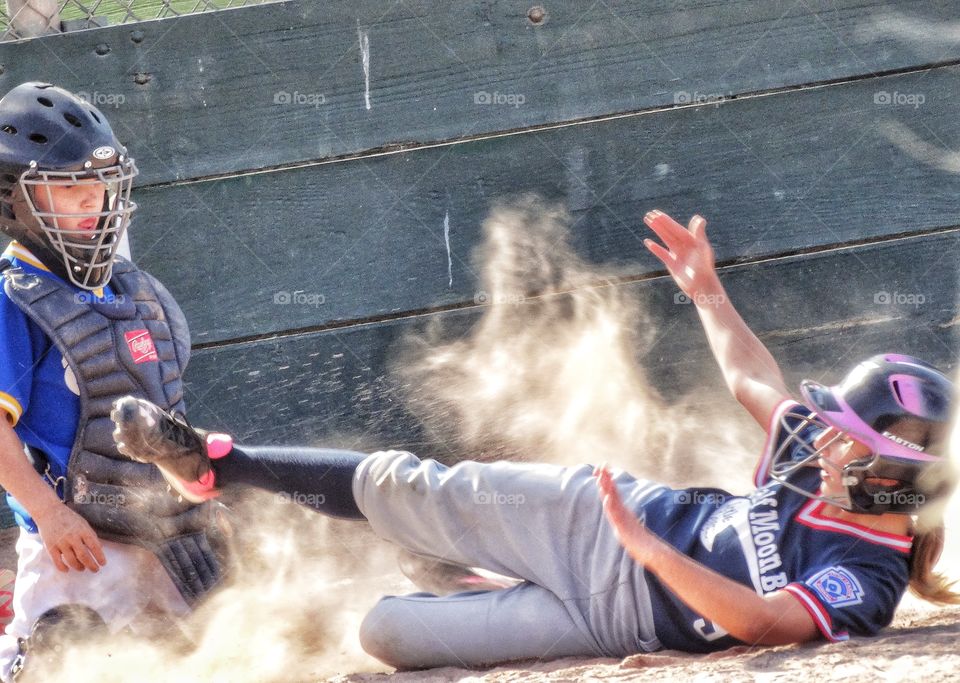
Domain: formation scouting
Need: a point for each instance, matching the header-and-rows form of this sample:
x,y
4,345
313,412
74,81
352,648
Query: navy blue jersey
x,y
848,577
38,392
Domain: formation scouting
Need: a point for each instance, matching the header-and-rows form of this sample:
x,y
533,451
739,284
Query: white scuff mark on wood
x,y
953,322
446,239
910,29
833,326
203,100
910,143
364,38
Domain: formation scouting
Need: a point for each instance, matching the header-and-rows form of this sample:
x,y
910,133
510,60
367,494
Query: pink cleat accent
x,y
202,489
218,445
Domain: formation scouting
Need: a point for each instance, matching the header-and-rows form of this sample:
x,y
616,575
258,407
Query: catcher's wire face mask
x,y
87,253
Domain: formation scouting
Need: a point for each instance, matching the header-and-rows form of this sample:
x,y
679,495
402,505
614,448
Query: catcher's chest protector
x,y
135,343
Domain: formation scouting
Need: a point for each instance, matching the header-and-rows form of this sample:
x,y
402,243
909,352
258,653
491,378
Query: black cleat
x,y
146,433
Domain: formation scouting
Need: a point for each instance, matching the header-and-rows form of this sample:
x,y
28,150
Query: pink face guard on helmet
x,y
905,402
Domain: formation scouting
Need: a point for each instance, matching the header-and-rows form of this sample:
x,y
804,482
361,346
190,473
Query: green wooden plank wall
x,y
200,94
776,174
346,154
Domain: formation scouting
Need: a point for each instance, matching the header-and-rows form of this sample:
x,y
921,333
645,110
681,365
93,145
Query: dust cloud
x,y
290,611
550,372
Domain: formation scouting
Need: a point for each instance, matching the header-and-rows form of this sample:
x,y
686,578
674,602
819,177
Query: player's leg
x,y
474,629
531,521
540,523
488,515
198,464
40,655
320,478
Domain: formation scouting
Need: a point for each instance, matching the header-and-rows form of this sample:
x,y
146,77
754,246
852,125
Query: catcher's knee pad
x,y
55,628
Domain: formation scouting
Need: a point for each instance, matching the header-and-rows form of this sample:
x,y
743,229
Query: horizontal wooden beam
x,y
223,92
362,240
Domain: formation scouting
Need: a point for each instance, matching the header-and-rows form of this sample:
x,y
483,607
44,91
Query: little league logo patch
x,y
837,587
141,346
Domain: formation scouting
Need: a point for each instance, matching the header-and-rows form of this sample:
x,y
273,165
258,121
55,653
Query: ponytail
x,y
924,582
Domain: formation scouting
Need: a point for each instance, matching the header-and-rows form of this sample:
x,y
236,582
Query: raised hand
x,y
632,534
687,255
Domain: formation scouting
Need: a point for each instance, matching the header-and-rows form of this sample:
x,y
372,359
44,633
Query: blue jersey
x,y
849,578
38,391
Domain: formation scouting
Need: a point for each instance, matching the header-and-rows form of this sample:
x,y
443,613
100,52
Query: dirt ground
x,y
923,643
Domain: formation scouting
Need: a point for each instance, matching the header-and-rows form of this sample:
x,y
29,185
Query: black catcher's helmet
x,y
50,139
900,407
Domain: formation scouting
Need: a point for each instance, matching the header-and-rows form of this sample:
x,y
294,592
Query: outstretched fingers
x,y
630,531
70,541
698,227
57,556
671,233
621,518
666,257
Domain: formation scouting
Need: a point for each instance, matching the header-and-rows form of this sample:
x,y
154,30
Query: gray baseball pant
x,y
581,595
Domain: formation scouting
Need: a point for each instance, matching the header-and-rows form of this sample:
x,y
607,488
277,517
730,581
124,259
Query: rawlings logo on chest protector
x,y
141,346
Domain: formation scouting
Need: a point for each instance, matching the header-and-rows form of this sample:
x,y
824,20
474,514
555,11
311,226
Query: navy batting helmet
x,y
900,407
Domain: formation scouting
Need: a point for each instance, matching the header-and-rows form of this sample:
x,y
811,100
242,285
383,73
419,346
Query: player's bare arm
x,y
67,537
750,372
774,619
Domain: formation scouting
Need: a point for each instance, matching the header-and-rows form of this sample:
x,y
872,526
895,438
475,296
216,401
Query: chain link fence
x,y
30,18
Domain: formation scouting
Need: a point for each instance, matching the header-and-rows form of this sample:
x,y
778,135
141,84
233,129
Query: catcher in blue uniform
x,y
824,547
80,327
